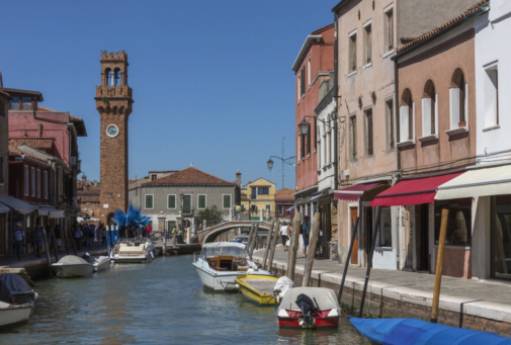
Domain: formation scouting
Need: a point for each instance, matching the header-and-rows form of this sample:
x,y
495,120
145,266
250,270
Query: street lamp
x,y
269,164
304,126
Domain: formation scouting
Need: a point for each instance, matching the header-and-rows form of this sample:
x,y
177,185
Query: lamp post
x,y
283,160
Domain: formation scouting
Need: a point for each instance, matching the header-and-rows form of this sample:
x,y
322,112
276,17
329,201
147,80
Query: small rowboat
x,y
415,332
258,288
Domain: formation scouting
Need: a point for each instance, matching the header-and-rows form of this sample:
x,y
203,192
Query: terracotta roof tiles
x,y
189,177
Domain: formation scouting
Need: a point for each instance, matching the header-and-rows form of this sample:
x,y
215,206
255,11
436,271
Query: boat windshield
x,y
224,251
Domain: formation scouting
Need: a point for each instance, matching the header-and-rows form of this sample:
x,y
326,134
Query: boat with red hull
x,y
307,307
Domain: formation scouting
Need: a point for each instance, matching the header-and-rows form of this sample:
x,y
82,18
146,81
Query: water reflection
x,y
159,303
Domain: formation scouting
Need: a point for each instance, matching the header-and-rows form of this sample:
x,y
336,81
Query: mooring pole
x,y
291,263
354,231
311,250
254,240
370,259
267,245
439,264
250,240
273,245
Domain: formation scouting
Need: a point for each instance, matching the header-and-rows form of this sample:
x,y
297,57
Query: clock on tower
x,y
113,102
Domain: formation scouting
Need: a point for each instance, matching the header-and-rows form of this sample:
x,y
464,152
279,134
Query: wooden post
x,y
354,231
439,264
370,259
251,239
267,245
311,250
254,240
273,245
294,246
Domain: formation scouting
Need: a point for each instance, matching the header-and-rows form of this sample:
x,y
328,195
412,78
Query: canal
x,y
159,303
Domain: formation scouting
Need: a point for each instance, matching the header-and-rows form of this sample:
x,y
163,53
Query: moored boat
x,y
220,263
412,331
99,263
72,266
258,288
133,251
309,307
17,300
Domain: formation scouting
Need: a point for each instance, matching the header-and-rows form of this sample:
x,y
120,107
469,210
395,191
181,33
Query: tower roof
x,y
120,56
189,177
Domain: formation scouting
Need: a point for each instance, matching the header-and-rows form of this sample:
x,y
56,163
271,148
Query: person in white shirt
x,y
284,234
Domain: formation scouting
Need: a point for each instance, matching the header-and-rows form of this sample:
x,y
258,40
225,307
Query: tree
x,y
212,216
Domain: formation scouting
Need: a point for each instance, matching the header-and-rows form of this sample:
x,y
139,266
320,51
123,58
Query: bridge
x,y
212,233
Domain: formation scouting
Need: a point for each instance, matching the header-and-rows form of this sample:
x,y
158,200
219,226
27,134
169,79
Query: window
x,y
187,203
26,103
368,44
46,184
32,182
171,201
149,201
1,169
39,183
385,235
491,96
109,77
227,201
406,117
353,137
369,132
14,103
201,202
154,177
253,193
389,123
117,77
429,110
389,30
26,180
302,82
308,141
264,190
458,224
458,100
309,73
353,53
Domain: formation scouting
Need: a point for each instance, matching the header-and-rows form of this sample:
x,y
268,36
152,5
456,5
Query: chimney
x,y
238,178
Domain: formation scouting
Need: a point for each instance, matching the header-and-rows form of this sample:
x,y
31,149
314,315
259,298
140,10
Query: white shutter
x,y
466,105
426,117
454,107
404,113
436,115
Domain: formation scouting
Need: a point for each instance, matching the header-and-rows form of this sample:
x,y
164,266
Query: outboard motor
x,y
308,308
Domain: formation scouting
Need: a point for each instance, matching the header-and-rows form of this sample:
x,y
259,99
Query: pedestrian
x,y
305,234
19,238
78,235
39,239
148,229
284,235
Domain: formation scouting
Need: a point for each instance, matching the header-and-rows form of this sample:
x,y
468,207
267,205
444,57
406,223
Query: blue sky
x,y
212,80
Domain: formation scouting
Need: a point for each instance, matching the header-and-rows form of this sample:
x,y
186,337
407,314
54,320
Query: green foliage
x,y
212,216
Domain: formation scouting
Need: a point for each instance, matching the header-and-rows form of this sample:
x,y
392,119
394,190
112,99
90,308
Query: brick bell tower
x,y
114,103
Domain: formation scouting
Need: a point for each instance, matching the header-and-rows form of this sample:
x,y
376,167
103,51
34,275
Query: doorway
x,y
422,237
354,253
501,237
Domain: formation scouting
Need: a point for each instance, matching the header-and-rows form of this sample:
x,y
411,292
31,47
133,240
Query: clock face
x,y
112,130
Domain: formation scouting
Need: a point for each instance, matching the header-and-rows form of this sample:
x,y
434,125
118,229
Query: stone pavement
x,y
483,299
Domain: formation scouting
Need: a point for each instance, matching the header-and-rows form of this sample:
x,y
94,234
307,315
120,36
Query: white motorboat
x,y
72,266
220,263
99,263
17,300
133,251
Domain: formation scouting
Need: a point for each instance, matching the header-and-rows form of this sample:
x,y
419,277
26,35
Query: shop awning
x,y
45,210
17,205
4,209
356,191
476,183
412,192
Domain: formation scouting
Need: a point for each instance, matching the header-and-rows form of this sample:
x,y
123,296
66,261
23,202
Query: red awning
x,y
412,192
355,192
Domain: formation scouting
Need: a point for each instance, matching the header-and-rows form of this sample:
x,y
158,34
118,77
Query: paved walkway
x,y
487,299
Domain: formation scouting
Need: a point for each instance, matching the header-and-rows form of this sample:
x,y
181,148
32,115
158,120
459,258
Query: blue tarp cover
x,y
418,332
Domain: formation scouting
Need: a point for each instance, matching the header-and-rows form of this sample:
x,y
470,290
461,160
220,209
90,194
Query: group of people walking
x,y
286,233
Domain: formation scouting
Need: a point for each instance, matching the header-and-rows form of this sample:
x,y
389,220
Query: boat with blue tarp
x,y
407,331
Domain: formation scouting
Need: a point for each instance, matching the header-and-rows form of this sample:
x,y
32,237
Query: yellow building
x,y
258,199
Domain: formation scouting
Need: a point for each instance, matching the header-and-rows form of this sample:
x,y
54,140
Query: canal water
x,y
158,303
